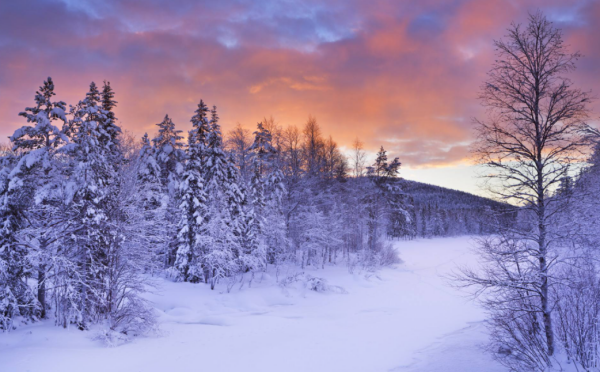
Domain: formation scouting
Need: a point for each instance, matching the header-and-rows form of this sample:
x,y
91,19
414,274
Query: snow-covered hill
x,y
399,319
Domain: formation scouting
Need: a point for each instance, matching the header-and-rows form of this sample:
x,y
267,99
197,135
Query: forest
x,y
88,210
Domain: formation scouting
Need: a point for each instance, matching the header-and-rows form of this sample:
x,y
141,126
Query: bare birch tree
x,y
358,158
238,141
529,142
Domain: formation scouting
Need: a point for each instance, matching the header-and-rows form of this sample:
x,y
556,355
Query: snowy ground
x,y
400,319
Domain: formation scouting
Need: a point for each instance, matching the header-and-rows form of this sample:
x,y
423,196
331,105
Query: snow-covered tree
x,y
385,201
274,229
152,200
97,275
42,133
220,259
215,162
247,227
263,149
148,176
16,297
93,174
170,158
34,179
192,227
202,128
169,154
109,129
238,143
267,190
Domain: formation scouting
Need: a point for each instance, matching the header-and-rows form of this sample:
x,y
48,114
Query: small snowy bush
x,y
316,284
131,320
387,256
320,285
384,255
290,279
311,283
134,318
9,309
111,338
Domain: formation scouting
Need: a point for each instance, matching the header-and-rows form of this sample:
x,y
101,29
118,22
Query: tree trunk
x,y
541,215
42,289
546,311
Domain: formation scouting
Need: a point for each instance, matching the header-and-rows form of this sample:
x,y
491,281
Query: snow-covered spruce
x,y
70,228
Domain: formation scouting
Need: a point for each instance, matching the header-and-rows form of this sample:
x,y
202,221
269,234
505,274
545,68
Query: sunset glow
x,y
404,75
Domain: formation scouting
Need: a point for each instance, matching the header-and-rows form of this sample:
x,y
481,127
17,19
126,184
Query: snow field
x,y
404,318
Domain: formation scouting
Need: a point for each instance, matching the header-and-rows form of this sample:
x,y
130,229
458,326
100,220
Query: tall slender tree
x,y
170,157
529,141
192,227
38,170
93,175
109,129
152,200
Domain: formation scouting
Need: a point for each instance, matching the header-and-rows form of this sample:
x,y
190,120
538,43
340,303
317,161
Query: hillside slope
x,y
439,211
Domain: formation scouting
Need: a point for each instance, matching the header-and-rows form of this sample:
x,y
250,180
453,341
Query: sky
x,y
400,74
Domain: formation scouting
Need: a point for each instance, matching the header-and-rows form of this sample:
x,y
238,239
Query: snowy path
x,y
402,319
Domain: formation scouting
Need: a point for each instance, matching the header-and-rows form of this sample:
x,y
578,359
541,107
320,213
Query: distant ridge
x,y
458,198
441,211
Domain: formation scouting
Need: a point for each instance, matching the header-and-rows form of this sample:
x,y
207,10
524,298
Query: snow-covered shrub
x,y
311,283
387,255
134,317
352,263
290,279
110,338
316,284
577,317
384,255
320,285
8,308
